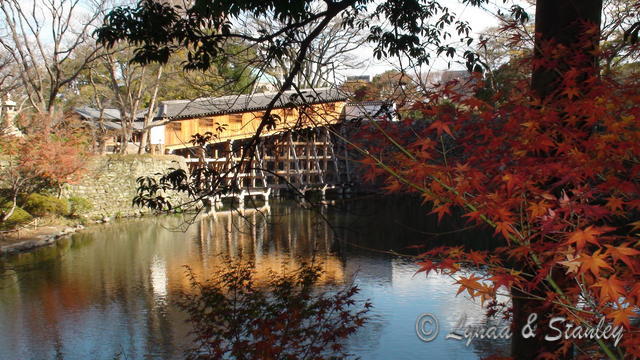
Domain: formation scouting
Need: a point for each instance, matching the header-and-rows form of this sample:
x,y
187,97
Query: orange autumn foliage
x,y
44,160
556,179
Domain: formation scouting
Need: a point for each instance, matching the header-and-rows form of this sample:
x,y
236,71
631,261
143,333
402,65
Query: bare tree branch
x,y
44,40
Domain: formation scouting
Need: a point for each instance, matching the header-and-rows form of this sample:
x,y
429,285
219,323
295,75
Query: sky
x,y
479,19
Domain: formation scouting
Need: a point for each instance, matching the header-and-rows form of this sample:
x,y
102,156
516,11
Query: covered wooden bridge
x,y
302,152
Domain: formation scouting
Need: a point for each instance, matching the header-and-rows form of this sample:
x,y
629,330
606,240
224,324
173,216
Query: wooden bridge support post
x,y
260,154
296,162
334,158
316,162
287,165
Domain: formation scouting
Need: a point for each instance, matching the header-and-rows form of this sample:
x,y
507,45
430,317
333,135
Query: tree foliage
x,y
202,28
50,44
229,74
234,316
37,162
556,180
330,52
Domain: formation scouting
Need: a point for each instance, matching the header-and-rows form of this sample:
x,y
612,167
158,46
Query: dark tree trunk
x,y
561,22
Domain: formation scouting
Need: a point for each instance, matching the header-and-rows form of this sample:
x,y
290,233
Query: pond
x,y
109,292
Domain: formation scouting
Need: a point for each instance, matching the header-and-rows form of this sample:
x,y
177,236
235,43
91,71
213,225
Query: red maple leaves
x,y
556,179
581,237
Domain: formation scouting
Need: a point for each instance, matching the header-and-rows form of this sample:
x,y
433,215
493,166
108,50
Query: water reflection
x,y
111,290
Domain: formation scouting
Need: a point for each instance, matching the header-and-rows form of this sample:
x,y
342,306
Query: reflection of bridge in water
x,y
277,240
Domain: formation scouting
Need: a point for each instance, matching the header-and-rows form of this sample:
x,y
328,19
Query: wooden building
x,y
237,117
298,151
106,128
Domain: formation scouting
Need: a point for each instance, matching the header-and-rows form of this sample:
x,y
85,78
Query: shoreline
x,y
25,240
42,236
36,238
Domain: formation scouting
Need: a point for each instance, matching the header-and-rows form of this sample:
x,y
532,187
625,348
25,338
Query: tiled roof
x,y
91,113
176,109
110,118
370,102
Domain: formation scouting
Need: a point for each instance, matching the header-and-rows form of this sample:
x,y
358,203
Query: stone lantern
x,y
7,117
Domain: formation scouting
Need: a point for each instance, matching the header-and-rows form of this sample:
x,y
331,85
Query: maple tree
x,y
552,170
41,161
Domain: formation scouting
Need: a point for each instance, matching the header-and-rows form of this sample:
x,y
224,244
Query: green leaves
x,y
519,14
159,29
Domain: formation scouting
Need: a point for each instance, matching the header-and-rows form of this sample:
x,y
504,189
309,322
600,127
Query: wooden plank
x,y
317,162
295,159
333,156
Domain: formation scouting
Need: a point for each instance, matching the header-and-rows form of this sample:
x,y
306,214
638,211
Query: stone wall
x,y
109,182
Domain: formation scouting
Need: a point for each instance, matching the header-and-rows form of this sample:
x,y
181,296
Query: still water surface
x,y
109,292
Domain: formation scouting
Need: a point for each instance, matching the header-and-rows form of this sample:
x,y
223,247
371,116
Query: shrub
x,y
236,316
18,217
43,205
79,205
42,160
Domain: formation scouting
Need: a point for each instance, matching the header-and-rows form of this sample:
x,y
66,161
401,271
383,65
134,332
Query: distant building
x,y
460,75
355,78
435,78
381,110
108,121
263,82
